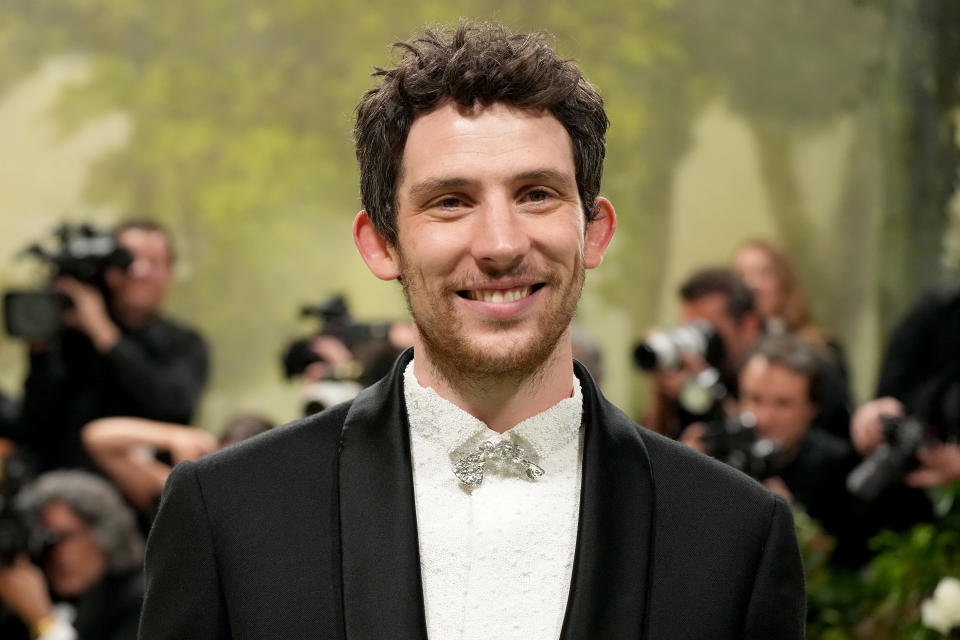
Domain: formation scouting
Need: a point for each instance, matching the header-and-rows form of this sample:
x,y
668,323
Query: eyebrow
x,y
547,175
434,185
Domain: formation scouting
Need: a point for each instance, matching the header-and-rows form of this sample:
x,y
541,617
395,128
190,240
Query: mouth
x,y
500,296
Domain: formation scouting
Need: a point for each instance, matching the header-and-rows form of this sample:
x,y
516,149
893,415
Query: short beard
x,y
469,367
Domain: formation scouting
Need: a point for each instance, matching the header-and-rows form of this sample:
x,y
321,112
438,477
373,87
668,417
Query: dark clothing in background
x,y
817,479
156,371
110,610
833,394
9,418
921,367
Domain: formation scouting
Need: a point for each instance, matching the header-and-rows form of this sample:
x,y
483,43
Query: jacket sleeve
x,y
778,603
183,594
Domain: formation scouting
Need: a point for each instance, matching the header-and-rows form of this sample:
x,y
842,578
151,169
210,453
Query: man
x,y
118,356
719,297
779,386
91,566
920,376
484,488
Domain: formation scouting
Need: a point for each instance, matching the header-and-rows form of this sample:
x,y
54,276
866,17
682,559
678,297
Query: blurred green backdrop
x,y
827,124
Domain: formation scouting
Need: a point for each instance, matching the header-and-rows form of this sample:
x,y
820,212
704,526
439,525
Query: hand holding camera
x,y
88,312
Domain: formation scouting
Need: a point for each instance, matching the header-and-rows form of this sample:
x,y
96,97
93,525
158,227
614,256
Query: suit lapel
x,y
609,589
382,591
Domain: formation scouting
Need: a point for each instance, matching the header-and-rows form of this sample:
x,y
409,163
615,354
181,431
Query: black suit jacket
x,y
309,531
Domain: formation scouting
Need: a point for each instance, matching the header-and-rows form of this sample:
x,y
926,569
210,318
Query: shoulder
x,y
686,482
291,467
682,474
312,439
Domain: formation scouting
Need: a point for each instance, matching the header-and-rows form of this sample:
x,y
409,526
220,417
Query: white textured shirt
x,y
495,560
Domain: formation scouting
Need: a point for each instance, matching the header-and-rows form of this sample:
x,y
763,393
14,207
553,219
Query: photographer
x,y
87,584
116,356
920,377
720,298
345,356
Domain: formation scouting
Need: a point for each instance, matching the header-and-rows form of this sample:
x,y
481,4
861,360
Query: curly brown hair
x,y
477,63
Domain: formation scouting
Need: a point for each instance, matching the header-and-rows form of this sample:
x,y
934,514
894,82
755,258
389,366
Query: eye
x,y
538,195
449,202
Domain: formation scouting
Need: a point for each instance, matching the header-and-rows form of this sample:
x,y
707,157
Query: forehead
x,y
484,143
761,374
145,241
711,307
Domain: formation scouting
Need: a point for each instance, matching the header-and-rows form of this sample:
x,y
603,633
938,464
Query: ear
x,y
599,233
380,256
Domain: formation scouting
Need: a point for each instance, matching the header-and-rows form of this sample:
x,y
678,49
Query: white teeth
x,y
498,297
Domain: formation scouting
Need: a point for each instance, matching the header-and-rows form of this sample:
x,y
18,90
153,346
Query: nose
x,y
141,267
500,240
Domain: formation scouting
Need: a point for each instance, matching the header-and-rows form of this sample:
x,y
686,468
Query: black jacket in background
x,y
921,367
157,371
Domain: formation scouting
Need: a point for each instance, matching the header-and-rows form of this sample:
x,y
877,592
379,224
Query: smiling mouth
x,y
499,296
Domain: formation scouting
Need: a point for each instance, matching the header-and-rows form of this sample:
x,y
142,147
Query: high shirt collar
x,y
454,431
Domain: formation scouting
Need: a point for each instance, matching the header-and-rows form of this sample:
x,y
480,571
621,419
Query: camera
x,y
81,251
335,321
372,354
891,460
20,532
734,442
665,350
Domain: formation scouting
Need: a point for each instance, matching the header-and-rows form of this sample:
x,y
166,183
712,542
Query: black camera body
x,y
887,464
335,321
83,252
734,442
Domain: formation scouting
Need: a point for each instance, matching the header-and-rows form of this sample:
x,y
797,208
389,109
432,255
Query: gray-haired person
x,y
88,582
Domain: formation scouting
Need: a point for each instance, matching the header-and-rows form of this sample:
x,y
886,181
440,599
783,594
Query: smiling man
x,y
484,488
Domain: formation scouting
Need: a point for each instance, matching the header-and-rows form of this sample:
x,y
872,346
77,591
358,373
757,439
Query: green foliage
x,y
883,601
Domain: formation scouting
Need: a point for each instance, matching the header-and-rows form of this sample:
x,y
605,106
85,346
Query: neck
x,y
504,399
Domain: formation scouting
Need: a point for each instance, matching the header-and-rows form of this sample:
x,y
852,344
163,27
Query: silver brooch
x,y
469,469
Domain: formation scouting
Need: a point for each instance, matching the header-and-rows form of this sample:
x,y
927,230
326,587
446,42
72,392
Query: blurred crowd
x,y
750,378
747,377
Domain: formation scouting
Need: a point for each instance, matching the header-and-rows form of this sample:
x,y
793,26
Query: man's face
x,y
779,399
75,563
712,307
491,244
143,287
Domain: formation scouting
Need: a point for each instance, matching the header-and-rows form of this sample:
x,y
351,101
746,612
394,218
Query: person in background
x,y
920,377
719,297
783,306
779,385
88,582
138,454
119,355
